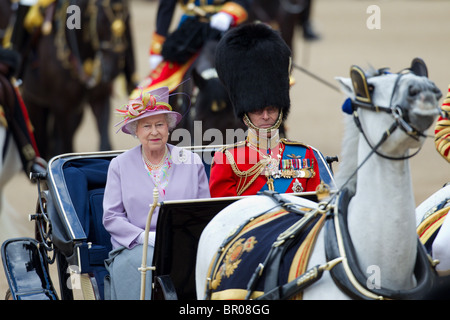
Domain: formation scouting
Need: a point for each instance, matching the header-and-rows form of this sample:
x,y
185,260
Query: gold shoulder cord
x,y
298,143
256,170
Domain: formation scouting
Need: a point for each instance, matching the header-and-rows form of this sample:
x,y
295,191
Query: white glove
x,y
221,21
28,3
154,60
151,238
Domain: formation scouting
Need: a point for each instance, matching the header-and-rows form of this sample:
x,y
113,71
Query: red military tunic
x,y
240,169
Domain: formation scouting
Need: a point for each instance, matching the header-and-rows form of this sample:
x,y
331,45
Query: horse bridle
x,y
363,99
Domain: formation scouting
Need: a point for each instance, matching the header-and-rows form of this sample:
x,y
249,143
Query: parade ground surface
x,y
351,33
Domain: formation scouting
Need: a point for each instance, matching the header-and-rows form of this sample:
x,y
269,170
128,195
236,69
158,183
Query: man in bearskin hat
x,y
171,54
254,64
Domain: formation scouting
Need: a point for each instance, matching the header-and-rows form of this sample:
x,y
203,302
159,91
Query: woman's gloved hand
x,y
221,21
151,238
154,60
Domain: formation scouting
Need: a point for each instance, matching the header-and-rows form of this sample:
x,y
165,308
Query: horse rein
x,y
400,120
396,112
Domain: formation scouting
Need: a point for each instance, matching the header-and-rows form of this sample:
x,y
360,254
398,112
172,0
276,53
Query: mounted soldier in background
x,y
171,54
72,52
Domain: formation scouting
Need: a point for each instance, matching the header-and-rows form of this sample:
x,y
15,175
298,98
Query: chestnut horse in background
x,y
68,66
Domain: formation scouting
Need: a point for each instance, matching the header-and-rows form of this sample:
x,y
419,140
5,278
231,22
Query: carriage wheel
x,y
8,295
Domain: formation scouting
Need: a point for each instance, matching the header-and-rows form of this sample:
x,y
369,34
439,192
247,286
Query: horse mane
x,y
349,156
349,147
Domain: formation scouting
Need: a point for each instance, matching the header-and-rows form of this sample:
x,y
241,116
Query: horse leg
x,y
39,119
287,22
100,105
10,164
64,126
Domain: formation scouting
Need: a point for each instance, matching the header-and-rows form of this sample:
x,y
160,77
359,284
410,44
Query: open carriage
x,y
70,234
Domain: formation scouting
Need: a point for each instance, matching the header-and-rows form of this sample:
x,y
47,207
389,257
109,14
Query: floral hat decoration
x,y
148,104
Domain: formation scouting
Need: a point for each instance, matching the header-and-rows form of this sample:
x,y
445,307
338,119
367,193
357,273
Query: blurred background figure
x,y
71,55
172,53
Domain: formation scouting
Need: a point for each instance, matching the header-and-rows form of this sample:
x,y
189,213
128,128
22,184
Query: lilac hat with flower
x,y
148,104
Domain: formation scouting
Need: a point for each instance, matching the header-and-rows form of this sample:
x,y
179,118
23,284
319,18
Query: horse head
x,y
407,100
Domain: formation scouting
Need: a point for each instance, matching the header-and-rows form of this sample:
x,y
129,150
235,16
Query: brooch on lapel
x,y
182,156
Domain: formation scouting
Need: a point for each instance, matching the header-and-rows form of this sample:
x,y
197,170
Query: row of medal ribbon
x,y
294,168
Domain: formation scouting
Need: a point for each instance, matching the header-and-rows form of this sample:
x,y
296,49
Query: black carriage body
x,y
68,225
70,231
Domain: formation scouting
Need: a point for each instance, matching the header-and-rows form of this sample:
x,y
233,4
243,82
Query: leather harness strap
x,y
340,254
348,276
272,263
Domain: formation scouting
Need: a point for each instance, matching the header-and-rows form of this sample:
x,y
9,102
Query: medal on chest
x,y
290,167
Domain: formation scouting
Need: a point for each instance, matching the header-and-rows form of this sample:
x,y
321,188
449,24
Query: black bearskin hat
x,y
253,63
11,58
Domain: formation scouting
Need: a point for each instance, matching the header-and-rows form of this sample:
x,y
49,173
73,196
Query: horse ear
x,y
345,85
419,68
360,87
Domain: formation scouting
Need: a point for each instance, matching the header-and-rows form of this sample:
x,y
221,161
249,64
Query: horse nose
x,y
426,97
428,104
429,91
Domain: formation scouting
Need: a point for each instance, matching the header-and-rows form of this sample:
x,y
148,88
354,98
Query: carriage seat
x,y
85,181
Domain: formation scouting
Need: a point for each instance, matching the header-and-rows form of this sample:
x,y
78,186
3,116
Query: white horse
x,y
10,165
381,220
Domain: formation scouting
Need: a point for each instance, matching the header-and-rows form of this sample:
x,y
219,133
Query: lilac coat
x,y
129,191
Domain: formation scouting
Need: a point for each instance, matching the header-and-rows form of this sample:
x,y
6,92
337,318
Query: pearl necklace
x,y
152,166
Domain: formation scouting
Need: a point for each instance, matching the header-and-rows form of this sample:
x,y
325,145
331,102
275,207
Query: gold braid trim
x,y
157,43
431,223
35,18
442,130
254,171
236,10
201,10
291,142
250,124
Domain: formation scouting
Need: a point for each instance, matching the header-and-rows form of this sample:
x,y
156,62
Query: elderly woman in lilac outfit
x,y
176,173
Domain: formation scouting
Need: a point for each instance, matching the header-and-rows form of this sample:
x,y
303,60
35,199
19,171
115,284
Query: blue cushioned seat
x,y
85,181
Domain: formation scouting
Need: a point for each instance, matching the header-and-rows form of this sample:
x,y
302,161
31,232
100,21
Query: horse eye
x,y
412,91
